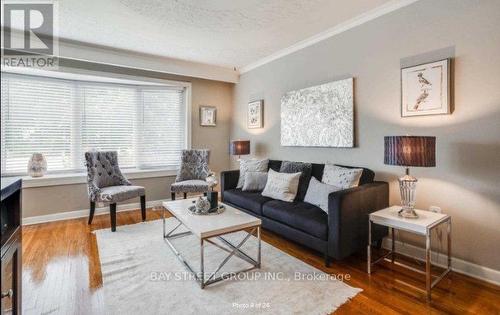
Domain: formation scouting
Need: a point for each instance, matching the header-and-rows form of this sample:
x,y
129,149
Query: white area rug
x,y
141,275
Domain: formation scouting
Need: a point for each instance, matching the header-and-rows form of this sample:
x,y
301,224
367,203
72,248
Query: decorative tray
x,y
214,211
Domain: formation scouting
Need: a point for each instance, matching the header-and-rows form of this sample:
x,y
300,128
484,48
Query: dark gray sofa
x,y
338,234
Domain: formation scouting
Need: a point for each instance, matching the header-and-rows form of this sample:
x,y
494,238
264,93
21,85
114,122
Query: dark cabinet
x,y
11,239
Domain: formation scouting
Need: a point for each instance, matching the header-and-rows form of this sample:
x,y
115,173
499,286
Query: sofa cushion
x,y
367,176
255,181
300,215
113,194
252,165
250,200
282,186
194,185
305,169
341,177
318,193
275,165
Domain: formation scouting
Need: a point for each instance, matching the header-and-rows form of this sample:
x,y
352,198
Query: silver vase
x,y
37,165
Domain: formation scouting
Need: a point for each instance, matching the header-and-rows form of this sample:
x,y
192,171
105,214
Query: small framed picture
x,y
425,89
208,116
255,114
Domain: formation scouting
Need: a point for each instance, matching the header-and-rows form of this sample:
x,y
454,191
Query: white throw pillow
x,y
341,177
281,186
251,166
317,193
255,181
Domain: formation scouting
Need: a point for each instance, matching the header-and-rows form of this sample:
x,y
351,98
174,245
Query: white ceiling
x,y
228,33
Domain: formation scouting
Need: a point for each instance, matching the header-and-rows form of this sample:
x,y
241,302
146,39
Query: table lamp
x,y
409,151
239,148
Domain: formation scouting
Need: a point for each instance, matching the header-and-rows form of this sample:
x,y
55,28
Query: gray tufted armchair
x,y
106,183
192,174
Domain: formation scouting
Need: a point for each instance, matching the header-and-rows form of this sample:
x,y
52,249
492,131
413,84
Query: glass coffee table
x,y
209,227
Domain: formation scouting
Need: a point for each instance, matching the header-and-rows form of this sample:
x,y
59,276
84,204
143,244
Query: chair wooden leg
x,y
112,212
172,196
185,195
143,207
92,210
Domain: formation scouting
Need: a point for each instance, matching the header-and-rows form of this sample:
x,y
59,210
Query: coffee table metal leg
x,y
239,253
234,250
180,258
170,235
393,245
259,249
202,266
163,218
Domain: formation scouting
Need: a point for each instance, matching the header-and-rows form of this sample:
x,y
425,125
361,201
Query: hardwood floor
x,y
61,261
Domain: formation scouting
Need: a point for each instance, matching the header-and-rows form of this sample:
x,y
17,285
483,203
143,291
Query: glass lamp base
x,y
408,213
408,187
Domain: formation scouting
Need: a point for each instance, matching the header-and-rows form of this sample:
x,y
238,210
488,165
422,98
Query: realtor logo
x,y
29,34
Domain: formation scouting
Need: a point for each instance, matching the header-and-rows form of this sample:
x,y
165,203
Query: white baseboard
x,y
85,212
458,265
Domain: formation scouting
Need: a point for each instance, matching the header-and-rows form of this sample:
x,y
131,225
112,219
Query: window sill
x,y
81,178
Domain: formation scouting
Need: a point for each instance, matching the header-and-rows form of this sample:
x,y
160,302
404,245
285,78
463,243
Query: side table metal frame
x,y
428,275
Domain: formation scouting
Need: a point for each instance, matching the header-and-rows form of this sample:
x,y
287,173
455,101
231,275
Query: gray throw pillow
x,y
251,166
341,177
317,193
255,181
305,169
281,186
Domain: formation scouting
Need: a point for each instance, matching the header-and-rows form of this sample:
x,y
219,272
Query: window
x,y
63,119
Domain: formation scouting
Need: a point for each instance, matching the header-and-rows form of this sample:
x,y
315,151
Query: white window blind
x,y
161,126
65,118
108,120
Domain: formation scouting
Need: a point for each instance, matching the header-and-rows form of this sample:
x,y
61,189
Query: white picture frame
x,y
255,114
425,89
208,116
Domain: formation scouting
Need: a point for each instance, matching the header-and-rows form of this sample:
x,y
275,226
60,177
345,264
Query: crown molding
x,y
92,53
342,27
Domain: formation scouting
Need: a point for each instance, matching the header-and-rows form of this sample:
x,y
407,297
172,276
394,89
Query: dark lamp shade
x,y
240,147
410,151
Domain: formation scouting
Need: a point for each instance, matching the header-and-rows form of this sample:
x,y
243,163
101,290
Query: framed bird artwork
x,y
425,89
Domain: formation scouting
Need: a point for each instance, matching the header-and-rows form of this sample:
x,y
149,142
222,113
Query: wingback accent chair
x,y
106,183
192,174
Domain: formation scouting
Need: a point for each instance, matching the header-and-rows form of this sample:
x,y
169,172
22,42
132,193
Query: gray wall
x,y
63,198
465,181
54,199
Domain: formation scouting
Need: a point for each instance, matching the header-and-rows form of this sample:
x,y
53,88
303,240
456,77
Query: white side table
x,y
423,225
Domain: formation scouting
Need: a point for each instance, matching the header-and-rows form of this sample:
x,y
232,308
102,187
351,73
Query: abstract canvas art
x,y
425,89
318,116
